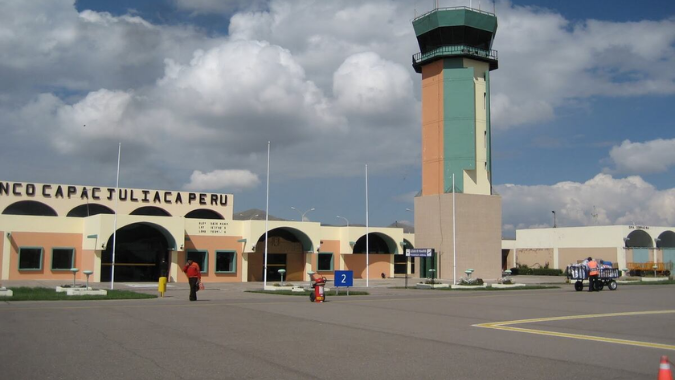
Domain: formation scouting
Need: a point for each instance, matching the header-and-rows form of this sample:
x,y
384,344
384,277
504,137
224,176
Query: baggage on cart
x,y
606,277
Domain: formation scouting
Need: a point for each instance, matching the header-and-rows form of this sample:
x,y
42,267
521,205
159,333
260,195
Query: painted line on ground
x,y
507,326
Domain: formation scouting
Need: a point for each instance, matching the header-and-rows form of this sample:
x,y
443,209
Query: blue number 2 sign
x,y
344,278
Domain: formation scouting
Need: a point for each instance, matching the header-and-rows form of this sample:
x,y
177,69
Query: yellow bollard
x,y
161,287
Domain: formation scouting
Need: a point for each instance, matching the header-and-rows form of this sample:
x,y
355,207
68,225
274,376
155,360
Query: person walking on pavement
x,y
194,275
592,274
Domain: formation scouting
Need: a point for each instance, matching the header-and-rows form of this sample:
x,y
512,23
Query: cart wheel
x,y
599,285
612,285
578,286
312,297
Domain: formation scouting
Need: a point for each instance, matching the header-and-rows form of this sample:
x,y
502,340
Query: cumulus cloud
x,y
219,6
656,156
365,83
223,102
547,62
602,200
48,45
222,180
321,34
330,83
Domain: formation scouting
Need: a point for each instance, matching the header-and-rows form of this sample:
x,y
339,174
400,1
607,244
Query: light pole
x,y
555,225
302,219
342,217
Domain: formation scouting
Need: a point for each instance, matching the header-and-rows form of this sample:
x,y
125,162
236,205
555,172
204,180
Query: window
x,y
325,262
63,258
226,262
199,257
30,258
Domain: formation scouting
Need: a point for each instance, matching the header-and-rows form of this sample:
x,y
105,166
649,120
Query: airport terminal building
x,y
47,229
636,248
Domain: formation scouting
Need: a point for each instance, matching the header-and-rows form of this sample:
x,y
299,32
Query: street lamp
x,y
342,217
554,222
302,219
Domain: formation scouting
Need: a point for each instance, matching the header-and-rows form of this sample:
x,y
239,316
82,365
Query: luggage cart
x,y
606,277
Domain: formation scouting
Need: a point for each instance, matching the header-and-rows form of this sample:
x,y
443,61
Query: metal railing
x,y
455,50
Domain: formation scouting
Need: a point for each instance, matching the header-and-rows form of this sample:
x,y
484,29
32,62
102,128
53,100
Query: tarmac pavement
x,y
391,334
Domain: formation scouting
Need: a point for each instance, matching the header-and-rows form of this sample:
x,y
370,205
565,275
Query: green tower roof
x,y
459,31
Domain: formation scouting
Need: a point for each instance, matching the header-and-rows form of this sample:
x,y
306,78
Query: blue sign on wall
x,y
344,278
419,252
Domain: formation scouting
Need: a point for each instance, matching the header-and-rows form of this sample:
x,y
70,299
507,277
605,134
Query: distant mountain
x,y
253,214
407,228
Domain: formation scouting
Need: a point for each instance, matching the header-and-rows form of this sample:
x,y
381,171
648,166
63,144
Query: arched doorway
x,y
641,243
139,251
379,262
286,249
666,243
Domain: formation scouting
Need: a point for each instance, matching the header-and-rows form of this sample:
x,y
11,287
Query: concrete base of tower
x,y
478,234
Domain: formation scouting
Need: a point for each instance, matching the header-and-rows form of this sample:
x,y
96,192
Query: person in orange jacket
x,y
194,274
592,274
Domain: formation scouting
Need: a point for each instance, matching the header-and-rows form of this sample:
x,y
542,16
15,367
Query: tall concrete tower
x,y
455,61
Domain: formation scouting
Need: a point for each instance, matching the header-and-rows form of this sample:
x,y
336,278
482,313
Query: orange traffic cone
x,y
664,369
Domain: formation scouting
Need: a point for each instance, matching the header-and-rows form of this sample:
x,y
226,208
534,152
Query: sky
x,y
193,90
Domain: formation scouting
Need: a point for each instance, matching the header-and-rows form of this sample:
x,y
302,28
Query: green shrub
x,y
547,272
524,270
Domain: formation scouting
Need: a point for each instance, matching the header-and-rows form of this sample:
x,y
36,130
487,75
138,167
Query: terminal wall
x,y
478,233
378,264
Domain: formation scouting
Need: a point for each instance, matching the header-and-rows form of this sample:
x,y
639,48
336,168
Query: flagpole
x,y
454,240
267,214
117,190
367,239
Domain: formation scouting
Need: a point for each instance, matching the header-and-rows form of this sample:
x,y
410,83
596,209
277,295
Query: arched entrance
x,y
140,250
666,242
379,261
641,243
286,249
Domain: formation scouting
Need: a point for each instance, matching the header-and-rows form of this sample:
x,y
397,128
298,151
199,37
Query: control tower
x,y
455,61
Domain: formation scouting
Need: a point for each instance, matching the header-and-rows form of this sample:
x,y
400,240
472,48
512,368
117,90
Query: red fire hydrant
x,y
318,284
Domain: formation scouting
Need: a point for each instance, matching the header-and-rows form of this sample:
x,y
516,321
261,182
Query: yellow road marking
x,y
506,326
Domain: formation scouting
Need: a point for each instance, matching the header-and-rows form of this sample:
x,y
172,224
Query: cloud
x,y
367,84
655,156
602,200
548,62
219,6
222,180
330,84
46,45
